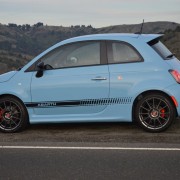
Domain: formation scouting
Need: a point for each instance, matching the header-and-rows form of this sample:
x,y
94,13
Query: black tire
x,y
155,112
13,115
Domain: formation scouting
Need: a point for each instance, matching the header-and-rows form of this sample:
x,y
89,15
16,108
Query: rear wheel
x,y
13,115
154,112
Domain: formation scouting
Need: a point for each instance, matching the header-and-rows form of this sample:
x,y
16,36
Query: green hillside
x,y
20,43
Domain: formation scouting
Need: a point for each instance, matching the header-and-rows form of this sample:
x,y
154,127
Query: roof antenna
x,y
141,27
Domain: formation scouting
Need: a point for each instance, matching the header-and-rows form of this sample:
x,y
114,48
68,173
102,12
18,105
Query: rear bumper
x,y
174,91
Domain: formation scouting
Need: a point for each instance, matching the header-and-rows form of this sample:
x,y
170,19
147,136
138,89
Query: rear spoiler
x,y
154,41
148,38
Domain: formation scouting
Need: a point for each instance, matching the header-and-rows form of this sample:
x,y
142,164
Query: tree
x,y
39,24
12,25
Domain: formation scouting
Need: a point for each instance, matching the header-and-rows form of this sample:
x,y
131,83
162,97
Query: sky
x,y
98,13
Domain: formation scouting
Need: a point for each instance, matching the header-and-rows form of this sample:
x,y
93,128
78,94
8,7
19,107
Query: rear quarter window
x,y
121,52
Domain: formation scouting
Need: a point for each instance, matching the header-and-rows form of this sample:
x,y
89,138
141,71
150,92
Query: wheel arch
x,y
141,95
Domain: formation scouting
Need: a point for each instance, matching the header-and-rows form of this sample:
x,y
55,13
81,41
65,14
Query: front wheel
x,y
13,115
154,112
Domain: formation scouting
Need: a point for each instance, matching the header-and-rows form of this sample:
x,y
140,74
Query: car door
x,y
76,80
125,67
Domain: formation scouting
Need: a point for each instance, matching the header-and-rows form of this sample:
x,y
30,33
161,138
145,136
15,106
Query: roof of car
x,y
113,36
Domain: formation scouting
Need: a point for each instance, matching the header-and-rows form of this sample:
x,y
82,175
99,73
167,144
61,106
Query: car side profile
x,y
95,78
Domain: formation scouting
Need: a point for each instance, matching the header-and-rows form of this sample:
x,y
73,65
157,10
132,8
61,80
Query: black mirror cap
x,y
39,73
40,67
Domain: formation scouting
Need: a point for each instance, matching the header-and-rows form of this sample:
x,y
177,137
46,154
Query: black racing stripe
x,y
84,102
31,104
52,104
68,103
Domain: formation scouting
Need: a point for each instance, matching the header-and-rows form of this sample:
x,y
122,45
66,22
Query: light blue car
x,y
95,78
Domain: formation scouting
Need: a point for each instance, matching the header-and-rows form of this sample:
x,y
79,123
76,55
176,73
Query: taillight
x,y
176,75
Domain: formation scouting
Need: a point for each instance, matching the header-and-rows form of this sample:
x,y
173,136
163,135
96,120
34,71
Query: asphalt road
x,y
91,132
90,151
88,164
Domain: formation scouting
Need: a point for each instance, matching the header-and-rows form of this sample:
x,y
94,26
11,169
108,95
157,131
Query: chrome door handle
x,y
98,79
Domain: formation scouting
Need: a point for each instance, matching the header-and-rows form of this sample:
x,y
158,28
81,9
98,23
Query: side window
x,y
119,52
77,54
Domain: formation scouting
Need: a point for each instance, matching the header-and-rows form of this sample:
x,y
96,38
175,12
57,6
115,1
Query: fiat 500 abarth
x,y
95,78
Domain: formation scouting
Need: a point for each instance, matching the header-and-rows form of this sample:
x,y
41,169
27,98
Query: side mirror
x,y
40,68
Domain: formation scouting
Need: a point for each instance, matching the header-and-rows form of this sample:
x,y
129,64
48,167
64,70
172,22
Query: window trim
x,y
103,56
110,53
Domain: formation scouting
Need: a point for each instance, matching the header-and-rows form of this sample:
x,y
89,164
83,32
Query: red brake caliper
x,y
162,113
